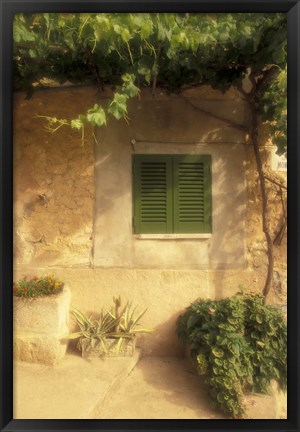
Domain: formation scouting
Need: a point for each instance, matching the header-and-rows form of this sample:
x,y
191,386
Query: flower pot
x,y
40,327
114,347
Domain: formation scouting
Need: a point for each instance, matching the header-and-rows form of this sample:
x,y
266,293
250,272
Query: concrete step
x,y
73,389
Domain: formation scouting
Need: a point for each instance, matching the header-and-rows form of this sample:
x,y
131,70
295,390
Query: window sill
x,y
171,236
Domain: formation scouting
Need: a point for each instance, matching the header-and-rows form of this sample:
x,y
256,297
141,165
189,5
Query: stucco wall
x,y
156,123
72,207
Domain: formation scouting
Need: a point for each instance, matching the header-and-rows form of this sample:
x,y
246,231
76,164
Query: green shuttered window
x,y
171,194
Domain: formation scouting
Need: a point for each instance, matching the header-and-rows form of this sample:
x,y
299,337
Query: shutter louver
x,y
172,194
192,197
153,194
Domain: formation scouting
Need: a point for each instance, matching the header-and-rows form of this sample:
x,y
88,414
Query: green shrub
x,y
37,286
239,344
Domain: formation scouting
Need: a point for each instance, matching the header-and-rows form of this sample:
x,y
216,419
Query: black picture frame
x,y
7,9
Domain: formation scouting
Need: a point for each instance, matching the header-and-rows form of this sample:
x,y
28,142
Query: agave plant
x,y
129,323
114,329
93,330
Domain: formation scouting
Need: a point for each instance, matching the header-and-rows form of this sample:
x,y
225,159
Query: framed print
x,y
148,279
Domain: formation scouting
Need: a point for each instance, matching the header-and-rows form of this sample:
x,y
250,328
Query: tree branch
x,y
275,182
267,76
208,113
154,84
258,84
239,87
252,78
154,70
265,209
279,236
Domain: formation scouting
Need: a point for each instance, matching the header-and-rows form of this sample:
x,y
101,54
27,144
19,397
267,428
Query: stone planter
x,y
40,327
127,348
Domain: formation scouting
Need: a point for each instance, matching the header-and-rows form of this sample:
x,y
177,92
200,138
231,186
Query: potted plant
x,y
41,311
29,287
112,333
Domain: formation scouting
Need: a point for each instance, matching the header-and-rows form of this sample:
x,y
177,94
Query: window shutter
x,y
192,193
152,194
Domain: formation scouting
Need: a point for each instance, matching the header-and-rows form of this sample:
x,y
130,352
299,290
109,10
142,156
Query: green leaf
x,y
77,124
218,362
32,53
260,343
21,33
223,36
192,319
125,35
236,349
96,116
118,106
145,66
146,29
120,344
259,319
117,28
217,352
81,318
74,335
220,397
131,90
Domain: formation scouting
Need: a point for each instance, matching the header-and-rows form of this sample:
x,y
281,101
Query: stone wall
x,y
53,181
256,243
67,216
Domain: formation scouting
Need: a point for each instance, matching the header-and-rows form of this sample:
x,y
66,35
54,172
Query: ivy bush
x,y
239,344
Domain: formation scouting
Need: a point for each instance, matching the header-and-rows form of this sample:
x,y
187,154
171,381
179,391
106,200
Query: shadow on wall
x,y
229,216
163,340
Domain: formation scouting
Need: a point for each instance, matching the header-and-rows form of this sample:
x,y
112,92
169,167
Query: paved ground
x,y
170,388
122,388
160,388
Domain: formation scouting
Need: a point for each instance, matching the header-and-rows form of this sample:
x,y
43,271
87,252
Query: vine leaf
x,y
96,116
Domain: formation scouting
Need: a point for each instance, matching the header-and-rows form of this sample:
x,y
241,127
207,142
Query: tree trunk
x,y
265,210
